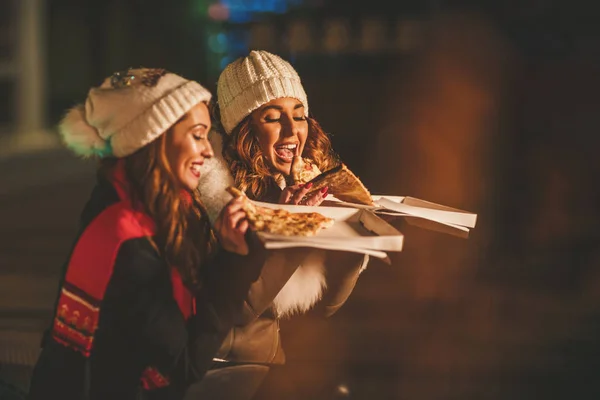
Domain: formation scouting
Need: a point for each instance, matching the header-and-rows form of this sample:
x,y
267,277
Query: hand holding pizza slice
x,y
341,182
303,171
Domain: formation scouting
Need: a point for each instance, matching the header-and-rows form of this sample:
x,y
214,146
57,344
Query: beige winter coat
x,y
292,282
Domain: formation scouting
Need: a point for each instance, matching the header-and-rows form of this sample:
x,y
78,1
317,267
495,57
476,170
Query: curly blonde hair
x,y
247,163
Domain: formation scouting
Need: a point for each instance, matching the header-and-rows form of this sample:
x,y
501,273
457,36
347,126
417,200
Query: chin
x,y
190,185
279,167
283,170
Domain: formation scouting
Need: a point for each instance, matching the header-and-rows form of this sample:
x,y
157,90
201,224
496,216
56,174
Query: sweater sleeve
x,y
342,272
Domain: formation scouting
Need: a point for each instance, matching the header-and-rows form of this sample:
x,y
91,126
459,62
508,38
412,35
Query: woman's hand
x,y
231,226
296,194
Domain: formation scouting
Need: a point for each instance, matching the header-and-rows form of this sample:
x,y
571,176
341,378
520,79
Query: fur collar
x,y
304,289
215,177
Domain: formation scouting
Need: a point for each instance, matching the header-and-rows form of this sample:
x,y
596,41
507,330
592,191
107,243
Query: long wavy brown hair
x,y
184,238
251,171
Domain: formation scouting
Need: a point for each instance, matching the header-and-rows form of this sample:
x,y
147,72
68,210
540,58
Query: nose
x,y
291,127
206,150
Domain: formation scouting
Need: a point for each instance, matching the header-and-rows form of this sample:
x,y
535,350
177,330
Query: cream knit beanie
x,y
249,82
129,110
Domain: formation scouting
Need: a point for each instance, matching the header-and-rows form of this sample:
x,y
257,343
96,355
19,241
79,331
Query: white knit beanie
x,y
249,82
129,110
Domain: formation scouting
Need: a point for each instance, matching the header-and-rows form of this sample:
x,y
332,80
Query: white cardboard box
x,y
354,230
421,213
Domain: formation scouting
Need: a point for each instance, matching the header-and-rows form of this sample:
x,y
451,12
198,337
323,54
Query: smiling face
x,y
281,130
187,145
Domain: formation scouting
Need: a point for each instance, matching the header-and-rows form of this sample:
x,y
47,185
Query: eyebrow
x,y
197,125
280,108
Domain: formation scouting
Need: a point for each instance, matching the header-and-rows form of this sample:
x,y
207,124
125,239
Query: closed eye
x,y
271,119
199,134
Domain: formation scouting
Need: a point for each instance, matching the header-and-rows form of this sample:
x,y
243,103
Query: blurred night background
x,y
488,106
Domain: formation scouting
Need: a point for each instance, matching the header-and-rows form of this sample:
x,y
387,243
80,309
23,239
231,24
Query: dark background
x,y
488,106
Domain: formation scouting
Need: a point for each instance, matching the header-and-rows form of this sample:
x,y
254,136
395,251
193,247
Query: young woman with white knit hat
x,y
263,110
145,300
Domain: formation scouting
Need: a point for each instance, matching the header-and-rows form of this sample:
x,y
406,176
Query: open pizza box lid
x,y
422,213
354,230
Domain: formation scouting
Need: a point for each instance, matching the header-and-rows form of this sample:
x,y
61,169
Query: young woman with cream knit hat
x,y
143,303
265,121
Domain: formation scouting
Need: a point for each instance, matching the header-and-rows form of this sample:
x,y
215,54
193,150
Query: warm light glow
x,y
300,36
373,35
218,12
337,35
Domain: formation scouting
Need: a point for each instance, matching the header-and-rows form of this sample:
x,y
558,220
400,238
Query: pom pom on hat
x,y
129,110
81,137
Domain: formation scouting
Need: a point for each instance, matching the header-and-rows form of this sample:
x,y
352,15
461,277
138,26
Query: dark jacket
x,y
141,324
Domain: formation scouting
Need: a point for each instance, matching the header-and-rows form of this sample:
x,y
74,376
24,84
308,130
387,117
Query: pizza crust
x,y
303,171
343,184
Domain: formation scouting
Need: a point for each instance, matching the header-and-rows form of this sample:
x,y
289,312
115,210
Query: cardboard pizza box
x,y
421,213
354,230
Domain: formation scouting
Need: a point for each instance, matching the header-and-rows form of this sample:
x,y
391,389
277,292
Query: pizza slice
x,y
343,184
303,171
279,221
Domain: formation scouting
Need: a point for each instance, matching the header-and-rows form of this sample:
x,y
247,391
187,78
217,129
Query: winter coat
x,y
291,282
125,326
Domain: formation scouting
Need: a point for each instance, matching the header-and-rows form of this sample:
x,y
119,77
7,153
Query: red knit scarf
x,y
91,266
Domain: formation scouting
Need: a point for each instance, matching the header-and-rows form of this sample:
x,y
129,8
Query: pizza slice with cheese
x,y
303,171
279,221
343,184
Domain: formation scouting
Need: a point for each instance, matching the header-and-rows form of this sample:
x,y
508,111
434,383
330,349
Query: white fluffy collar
x,y
304,289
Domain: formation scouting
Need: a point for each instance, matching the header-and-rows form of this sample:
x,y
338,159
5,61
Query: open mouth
x,y
286,152
196,169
